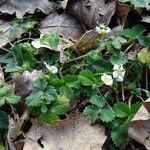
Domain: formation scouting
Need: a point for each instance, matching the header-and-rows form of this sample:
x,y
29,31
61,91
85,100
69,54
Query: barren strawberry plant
x,y
64,63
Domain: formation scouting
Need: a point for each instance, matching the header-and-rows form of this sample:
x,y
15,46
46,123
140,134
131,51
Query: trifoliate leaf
x,y
121,110
3,120
144,56
120,59
97,100
107,114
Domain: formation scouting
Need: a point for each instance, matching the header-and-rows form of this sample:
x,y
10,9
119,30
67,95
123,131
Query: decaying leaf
x,y
25,6
91,12
74,133
64,3
24,83
68,27
140,125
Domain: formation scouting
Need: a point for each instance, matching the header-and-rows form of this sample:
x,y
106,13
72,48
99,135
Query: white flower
x,y
119,72
107,79
102,29
52,69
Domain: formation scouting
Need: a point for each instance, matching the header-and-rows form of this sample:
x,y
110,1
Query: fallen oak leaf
x,y
139,128
25,6
91,12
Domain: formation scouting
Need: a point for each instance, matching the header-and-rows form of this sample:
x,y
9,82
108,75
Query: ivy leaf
x,y
97,100
107,115
144,56
121,110
92,111
120,59
86,77
3,120
134,32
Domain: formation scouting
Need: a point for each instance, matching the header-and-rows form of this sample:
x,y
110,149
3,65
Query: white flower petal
x,y
116,67
120,79
107,79
115,74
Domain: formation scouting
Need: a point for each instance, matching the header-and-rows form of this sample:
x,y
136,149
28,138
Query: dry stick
x,y
129,102
122,92
146,78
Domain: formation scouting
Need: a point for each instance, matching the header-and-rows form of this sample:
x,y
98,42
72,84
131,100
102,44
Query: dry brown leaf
x,y
91,12
74,133
140,125
64,3
68,27
25,6
24,83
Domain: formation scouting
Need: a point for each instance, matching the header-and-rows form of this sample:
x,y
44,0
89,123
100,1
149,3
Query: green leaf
x,y
48,117
120,59
50,39
4,90
97,100
2,147
6,59
144,56
119,134
86,77
134,32
92,111
144,40
3,120
107,114
60,106
12,98
66,91
40,83
135,107
34,99
141,3
121,110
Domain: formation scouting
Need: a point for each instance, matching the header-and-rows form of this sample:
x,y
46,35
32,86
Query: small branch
x,y
5,49
146,78
128,47
122,92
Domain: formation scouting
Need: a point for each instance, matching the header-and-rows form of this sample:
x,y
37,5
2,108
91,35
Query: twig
x,y
5,49
130,99
122,92
146,78
128,47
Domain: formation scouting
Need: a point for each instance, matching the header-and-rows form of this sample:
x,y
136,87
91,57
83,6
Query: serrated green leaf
x,y
134,32
34,99
40,83
121,110
144,56
66,91
6,59
119,134
92,111
48,117
135,107
97,100
12,98
120,59
86,77
107,114
4,90
144,40
3,120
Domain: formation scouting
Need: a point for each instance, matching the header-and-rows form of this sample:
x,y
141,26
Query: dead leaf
x,y
74,133
25,6
68,27
91,12
139,128
64,3
24,83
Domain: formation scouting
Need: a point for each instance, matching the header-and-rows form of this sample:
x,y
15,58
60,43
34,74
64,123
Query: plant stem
x,y
146,78
122,92
129,102
5,49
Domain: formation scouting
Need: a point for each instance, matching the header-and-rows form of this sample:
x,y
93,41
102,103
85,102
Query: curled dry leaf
x,y
139,128
24,83
73,133
68,27
25,6
91,12
64,3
